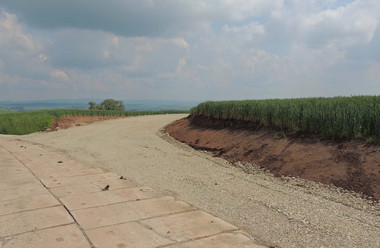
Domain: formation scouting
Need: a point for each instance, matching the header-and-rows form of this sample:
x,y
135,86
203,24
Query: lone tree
x,y
92,105
108,104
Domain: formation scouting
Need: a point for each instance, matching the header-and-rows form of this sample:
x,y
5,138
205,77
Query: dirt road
x,y
278,212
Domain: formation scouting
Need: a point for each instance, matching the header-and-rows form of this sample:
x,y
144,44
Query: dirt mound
x,y
70,121
351,165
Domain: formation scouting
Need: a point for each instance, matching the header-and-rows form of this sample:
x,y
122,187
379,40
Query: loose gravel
x,y
278,212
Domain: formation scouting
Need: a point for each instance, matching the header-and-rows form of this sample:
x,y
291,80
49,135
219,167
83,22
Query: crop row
x,y
337,117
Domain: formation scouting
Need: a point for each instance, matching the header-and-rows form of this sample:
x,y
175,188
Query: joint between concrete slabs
x,y
80,228
30,210
145,199
153,230
39,229
157,230
137,221
76,223
199,238
133,220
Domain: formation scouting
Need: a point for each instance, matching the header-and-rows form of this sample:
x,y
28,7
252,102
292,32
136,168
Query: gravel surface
x,y
279,212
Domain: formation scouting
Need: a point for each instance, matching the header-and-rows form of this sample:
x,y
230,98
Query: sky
x,y
188,49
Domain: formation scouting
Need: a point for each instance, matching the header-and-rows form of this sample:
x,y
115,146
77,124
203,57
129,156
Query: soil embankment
x,y
70,121
351,165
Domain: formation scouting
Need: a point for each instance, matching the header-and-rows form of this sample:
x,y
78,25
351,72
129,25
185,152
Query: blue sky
x,y
189,49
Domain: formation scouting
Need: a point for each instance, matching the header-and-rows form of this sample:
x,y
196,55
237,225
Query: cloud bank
x,y
190,50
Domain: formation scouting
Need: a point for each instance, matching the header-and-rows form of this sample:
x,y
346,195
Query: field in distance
x,y
19,123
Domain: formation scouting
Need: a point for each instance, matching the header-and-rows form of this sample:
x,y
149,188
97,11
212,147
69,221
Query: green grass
x,y
20,123
24,122
332,118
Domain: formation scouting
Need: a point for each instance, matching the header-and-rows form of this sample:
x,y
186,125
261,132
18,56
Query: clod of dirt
x,y
106,187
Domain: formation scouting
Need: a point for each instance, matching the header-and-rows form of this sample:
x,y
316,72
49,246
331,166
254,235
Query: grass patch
x,y
21,123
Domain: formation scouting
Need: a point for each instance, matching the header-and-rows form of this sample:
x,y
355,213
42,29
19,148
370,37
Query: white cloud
x,y
106,54
115,41
217,49
180,42
15,45
60,75
374,72
181,63
19,51
353,24
251,33
42,58
12,35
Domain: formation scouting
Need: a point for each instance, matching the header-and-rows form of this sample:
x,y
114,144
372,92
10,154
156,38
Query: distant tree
x,y
111,104
92,105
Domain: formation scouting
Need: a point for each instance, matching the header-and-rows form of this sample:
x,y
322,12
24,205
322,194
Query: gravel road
x,y
279,212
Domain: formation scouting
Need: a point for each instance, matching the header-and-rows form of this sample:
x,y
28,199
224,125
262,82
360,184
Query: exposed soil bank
x,y
352,165
70,121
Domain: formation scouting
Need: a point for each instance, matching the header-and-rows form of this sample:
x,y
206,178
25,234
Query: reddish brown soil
x,y
70,121
352,165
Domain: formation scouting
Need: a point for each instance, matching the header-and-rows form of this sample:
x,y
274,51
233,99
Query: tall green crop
x,y
337,117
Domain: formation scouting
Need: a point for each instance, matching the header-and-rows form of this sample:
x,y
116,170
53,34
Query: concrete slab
x,y
33,220
131,235
115,183
33,152
27,203
107,197
91,218
187,226
90,187
224,240
159,206
125,215
57,237
41,165
57,181
19,183
6,164
65,171
9,176
23,191
16,168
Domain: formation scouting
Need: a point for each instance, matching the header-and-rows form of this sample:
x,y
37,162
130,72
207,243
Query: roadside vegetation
x,y
356,117
108,104
20,123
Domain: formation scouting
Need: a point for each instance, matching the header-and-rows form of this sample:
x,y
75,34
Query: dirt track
x,y
276,211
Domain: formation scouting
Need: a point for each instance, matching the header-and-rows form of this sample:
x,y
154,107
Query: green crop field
x,y
12,122
334,118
